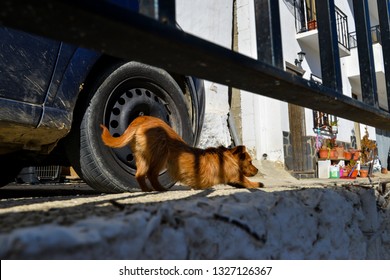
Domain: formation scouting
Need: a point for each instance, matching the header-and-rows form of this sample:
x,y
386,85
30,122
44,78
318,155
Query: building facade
x,y
272,129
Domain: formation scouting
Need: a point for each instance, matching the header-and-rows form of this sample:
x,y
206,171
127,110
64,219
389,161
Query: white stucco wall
x,y
261,116
247,46
210,20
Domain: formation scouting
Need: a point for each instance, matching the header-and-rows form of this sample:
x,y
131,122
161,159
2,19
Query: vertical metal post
x,y
328,42
269,38
166,12
366,57
384,11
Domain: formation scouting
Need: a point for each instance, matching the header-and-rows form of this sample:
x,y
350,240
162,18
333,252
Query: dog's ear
x,y
238,150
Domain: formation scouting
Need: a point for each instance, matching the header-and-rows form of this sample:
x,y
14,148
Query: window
x,y
323,122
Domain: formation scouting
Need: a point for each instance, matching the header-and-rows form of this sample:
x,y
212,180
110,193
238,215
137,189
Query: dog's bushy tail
x,y
116,142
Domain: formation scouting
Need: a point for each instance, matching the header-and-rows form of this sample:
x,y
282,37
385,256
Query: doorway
x,y
300,162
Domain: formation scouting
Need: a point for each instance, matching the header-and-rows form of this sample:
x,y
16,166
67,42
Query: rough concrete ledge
x,y
290,223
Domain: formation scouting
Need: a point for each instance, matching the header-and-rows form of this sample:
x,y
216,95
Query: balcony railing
x,y
375,36
303,25
342,28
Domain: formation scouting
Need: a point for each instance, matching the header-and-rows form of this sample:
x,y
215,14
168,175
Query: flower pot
x,y
344,172
364,167
356,155
324,153
347,155
312,24
354,174
363,173
333,154
340,152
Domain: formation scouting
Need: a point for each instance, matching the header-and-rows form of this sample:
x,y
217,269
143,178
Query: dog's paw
x,y
256,185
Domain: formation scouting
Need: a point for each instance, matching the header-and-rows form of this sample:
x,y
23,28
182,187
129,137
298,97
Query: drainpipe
x,y
234,94
305,12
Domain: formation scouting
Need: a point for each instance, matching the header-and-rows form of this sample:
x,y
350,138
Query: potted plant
x,y
334,127
369,150
346,170
328,149
347,155
332,145
355,154
340,151
350,170
363,173
312,24
324,152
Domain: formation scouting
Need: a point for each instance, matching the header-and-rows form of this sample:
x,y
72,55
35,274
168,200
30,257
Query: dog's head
x,y
244,161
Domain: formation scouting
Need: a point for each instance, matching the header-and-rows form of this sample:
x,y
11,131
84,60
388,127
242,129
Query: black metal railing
x,y
342,28
132,36
375,36
303,24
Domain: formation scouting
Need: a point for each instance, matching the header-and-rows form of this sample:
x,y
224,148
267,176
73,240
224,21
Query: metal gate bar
x,y
366,56
383,11
167,12
104,27
329,45
269,37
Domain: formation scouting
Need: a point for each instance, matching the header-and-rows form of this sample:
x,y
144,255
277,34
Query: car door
x,y
26,65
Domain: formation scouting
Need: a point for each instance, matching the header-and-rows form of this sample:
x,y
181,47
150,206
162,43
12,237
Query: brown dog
x,y
156,146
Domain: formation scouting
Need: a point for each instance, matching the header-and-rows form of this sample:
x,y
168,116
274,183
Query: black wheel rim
x,y
132,98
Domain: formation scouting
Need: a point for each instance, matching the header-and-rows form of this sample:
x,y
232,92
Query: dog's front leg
x,y
245,183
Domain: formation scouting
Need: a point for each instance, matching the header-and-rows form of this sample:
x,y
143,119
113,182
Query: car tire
x,y
121,95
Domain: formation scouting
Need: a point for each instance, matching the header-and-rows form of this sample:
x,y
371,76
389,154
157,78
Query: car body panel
x,y
39,86
26,75
12,111
40,83
74,65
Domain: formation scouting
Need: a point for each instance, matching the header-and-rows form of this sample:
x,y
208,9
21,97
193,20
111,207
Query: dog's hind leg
x,y
155,166
142,182
140,174
153,178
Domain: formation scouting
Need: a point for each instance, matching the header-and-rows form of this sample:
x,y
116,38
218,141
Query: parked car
x,y
54,96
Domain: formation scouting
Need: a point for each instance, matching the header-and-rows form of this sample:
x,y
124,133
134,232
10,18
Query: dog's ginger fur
x,y
156,146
